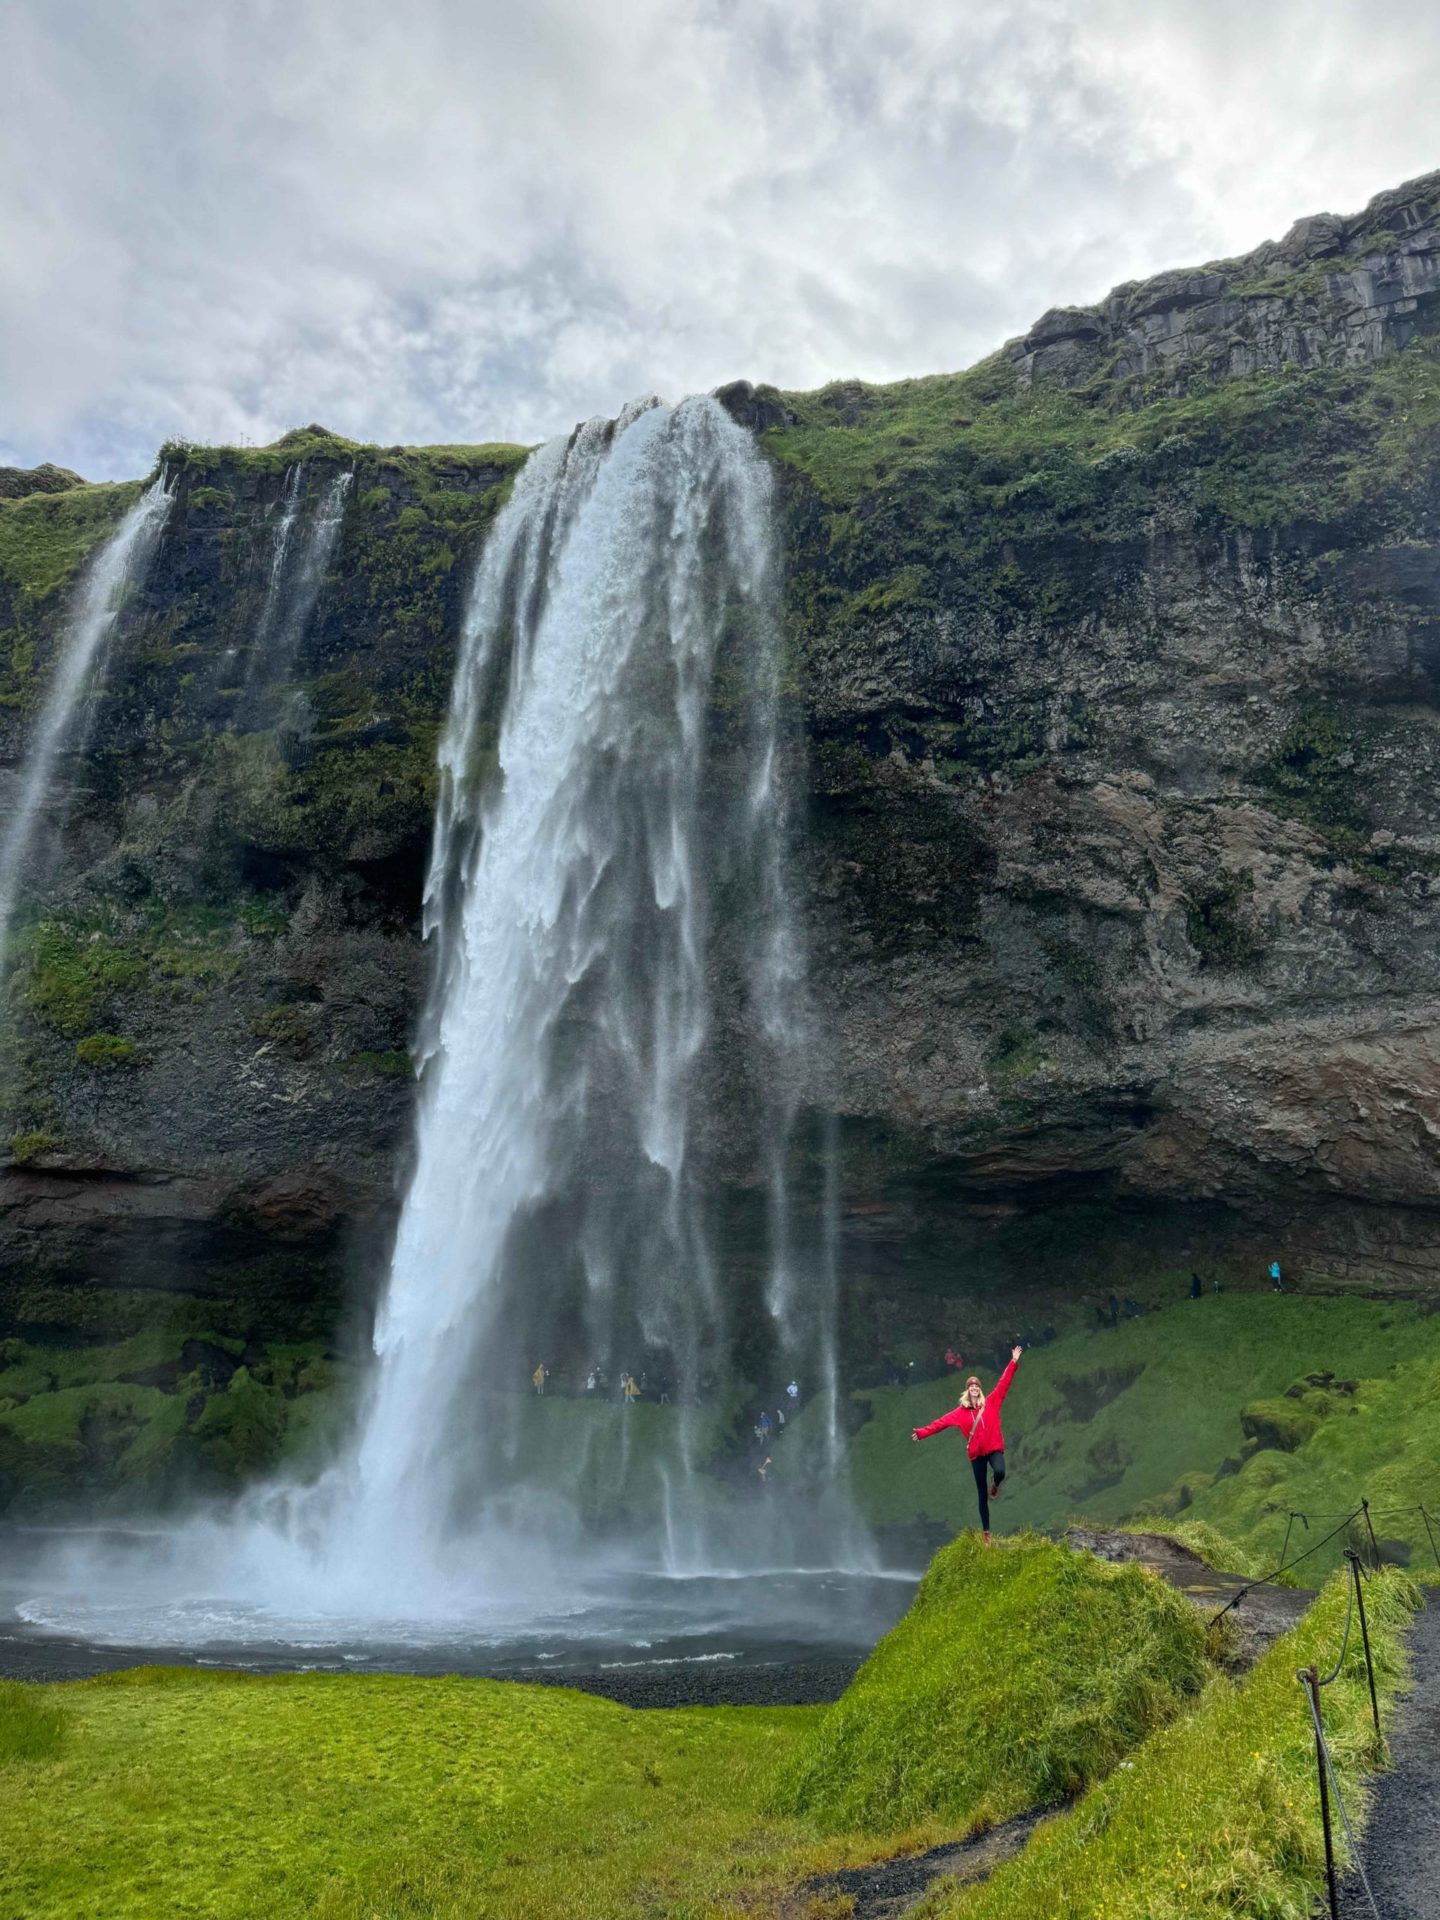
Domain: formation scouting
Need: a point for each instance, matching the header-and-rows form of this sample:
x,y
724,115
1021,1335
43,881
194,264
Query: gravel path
x,y
1401,1848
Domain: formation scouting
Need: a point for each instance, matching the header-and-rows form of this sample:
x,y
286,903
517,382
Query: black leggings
x,y
996,1463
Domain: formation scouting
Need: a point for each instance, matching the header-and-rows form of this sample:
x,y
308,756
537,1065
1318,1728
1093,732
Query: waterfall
x,y
297,573
117,567
289,513
607,903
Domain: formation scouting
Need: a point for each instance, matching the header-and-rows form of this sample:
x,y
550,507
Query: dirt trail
x,y
1401,1847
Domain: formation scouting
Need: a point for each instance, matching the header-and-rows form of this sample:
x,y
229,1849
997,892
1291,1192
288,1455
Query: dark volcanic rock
x,y
17,482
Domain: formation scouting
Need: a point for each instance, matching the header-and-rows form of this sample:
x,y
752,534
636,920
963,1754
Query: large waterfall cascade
x,y
111,575
610,920
616,1167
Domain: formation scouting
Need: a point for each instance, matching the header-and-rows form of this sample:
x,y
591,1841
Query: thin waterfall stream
x,y
110,575
298,564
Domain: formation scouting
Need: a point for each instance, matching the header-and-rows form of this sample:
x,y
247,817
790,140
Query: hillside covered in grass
x,y
941,1720
1204,1408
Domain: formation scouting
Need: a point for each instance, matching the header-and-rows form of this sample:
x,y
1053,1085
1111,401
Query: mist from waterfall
x,y
112,573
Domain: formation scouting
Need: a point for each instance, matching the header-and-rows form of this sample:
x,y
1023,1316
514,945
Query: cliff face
x,y
1122,655
1115,663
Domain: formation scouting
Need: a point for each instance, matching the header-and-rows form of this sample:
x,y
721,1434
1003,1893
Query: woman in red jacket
x,y
978,1418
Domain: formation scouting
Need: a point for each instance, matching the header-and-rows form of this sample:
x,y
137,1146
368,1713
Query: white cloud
x,y
464,219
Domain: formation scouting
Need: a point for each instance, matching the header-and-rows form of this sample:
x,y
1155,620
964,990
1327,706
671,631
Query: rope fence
x,y
1313,1684
1310,1677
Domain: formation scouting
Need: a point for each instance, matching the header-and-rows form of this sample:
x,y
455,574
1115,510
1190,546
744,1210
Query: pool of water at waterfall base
x,y
81,1601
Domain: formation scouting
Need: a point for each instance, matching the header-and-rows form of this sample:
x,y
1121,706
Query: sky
x,y
468,220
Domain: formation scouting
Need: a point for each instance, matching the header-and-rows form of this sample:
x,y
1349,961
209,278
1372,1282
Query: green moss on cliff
x,y
108,1051
958,491
45,537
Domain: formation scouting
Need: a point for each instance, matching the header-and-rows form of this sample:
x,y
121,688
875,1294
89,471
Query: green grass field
x,y
377,1798
1036,1638
1146,1418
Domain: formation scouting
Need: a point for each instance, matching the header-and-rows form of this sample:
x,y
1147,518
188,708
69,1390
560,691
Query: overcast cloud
x,y
485,219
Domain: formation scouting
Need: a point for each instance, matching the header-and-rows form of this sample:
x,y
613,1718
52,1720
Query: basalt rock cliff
x,y
1115,685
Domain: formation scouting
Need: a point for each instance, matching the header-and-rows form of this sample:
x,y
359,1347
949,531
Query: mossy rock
x,y
108,1051
1283,1425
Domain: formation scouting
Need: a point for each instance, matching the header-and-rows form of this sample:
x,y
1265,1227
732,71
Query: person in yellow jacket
x,y
539,1377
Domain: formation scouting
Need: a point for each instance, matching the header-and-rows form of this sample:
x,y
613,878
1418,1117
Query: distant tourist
x,y
953,1359
762,1428
1277,1285
630,1392
1114,1311
779,1417
792,1392
1215,1284
590,1381
764,1467
1194,1286
539,1377
978,1418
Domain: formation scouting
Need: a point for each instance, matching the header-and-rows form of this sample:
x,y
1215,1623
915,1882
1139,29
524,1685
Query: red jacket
x,y
984,1434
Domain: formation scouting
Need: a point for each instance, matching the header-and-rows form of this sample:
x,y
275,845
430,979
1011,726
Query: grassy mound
x,y
1373,1437
1218,1814
1017,1676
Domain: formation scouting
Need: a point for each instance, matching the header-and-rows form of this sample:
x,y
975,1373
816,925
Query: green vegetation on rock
x,y
45,537
108,1050
958,491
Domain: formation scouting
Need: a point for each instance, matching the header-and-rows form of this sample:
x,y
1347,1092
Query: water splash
x,y
114,571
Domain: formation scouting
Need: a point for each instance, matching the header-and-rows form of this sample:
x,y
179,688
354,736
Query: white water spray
x,y
118,566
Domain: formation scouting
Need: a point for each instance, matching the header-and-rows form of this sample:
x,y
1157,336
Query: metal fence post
x,y
1311,1678
1430,1536
1354,1559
